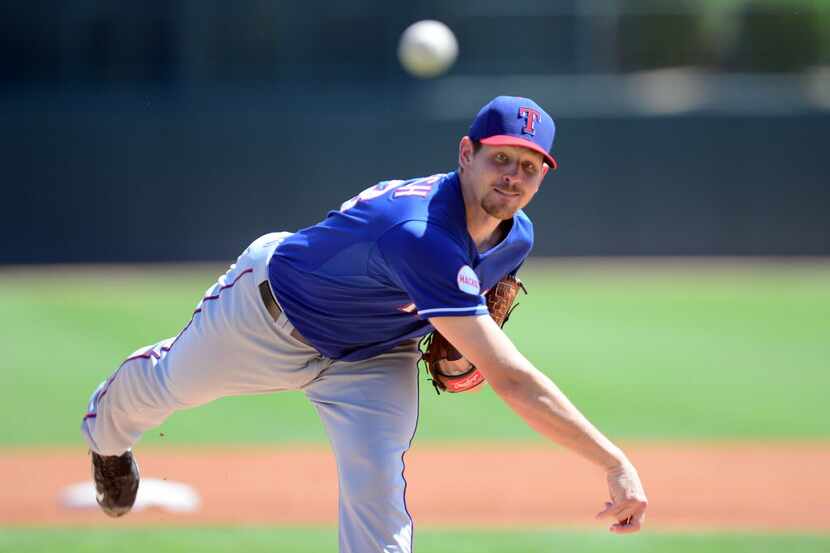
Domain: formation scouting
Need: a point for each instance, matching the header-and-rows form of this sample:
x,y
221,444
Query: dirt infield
x,y
770,487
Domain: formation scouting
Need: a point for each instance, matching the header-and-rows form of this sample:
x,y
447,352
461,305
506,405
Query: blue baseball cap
x,y
515,121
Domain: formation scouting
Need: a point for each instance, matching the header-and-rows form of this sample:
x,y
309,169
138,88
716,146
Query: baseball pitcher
x,y
338,309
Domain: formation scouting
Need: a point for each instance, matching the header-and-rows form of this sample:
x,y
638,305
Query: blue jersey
x,y
370,275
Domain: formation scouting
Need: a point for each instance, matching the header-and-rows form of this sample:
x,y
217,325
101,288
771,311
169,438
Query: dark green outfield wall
x,y
157,175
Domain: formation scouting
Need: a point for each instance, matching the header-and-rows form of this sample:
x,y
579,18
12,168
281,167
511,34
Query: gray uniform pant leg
x,y
370,411
231,346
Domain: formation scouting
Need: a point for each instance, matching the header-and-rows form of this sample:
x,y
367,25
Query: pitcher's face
x,y
503,179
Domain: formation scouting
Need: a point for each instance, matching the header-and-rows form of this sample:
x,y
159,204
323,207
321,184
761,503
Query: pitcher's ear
x,y
465,152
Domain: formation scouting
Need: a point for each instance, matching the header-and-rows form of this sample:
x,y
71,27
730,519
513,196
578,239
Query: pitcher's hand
x,y
628,500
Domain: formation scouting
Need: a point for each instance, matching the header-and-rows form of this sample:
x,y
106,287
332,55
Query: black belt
x,y
274,310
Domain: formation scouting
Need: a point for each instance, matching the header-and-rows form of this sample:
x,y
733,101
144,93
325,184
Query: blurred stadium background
x,y
178,130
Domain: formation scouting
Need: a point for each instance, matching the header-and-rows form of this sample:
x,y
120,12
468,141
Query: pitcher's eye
x,y
500,158
530,168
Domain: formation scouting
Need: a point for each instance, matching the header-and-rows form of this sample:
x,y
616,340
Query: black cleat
x,y
116,482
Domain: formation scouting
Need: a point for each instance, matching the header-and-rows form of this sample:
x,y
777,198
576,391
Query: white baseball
x,y
427,49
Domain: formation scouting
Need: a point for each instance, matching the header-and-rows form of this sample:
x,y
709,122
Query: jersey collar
x,y
460,220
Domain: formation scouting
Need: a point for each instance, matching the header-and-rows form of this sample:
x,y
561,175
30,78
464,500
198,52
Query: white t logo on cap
x,y
531,117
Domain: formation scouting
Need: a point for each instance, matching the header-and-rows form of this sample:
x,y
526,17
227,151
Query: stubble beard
x,y
494,208
501,213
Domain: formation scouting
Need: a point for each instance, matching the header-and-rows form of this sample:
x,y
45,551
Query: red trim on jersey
x,y
151,352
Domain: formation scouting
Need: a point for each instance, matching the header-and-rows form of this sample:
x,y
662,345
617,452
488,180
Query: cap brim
x,y
508,140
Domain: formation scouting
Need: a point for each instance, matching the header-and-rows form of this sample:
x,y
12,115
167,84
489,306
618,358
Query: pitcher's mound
x,y
152,493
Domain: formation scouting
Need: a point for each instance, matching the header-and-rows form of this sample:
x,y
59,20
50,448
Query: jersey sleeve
x,y
432,268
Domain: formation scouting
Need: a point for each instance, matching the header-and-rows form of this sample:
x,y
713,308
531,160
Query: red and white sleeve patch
x,y
468,281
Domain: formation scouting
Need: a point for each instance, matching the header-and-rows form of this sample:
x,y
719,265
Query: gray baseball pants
x,y
233,346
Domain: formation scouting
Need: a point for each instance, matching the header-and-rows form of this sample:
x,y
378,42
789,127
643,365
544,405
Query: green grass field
x,y
317,540
657,352
648,350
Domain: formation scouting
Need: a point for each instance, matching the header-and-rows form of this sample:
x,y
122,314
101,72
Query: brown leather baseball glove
x,y
449,370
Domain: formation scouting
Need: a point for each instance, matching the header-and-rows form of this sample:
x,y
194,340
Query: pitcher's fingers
x,y
618,511
635,521
604,512
630,509
629,528
627,512
638,510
